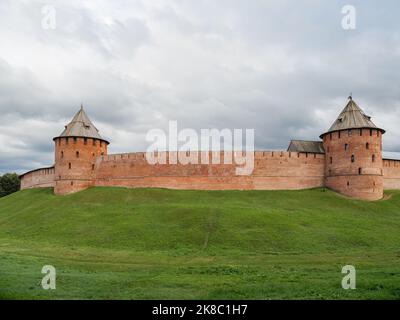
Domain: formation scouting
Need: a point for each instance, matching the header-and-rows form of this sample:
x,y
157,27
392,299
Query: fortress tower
x,y
353,155
76,150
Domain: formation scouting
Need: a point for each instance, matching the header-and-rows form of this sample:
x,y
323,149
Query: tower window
x,y
69,165
92,166
367,145
339,134
330,160
62,154
77,154
349,132
348,183
359,170
85,141
346,146
373,158
352,158
360,132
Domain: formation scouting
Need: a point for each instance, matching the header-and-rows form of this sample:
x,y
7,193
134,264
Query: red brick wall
x,y
272,170
363,178
42,178
75,163
391,174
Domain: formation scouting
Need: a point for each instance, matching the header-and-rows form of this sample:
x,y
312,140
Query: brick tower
x,y
353,155
76,150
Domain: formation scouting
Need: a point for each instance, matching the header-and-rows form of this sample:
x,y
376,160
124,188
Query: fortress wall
x,y
391,174
272,170
40,178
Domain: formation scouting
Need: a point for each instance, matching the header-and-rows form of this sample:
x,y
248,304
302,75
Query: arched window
x,y
77,154
373,158
367,145
352,158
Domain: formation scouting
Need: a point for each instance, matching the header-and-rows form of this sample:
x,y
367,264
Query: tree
x,y
9,183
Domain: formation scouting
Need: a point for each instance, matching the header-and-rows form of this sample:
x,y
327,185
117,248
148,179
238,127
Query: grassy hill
x,y
110,243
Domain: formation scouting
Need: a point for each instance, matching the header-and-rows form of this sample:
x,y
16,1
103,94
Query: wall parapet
x,y
38,178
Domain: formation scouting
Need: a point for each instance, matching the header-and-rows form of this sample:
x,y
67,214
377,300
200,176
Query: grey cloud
x,y
283,68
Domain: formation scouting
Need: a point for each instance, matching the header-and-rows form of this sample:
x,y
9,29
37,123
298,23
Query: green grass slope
x,y
116,243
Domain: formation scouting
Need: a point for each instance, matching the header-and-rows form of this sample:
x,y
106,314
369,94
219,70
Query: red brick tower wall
x,y
75,160
354,164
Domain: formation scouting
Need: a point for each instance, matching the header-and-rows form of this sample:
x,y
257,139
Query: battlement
x,y
39,178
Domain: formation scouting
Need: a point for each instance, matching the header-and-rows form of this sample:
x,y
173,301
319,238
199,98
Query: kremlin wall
x,y
347,159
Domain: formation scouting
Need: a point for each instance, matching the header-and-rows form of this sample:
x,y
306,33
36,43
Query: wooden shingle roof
x,y
306,146
352,117
81,126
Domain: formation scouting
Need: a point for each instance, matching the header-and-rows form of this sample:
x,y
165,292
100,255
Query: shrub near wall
x,y
9,183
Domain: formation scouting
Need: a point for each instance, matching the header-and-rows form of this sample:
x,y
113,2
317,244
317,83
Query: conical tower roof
x,y
81,126
352,117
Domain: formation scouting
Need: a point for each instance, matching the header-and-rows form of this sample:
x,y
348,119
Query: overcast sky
x,y
284,68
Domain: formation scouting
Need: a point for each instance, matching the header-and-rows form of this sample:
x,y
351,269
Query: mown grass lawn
x,y
116,243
